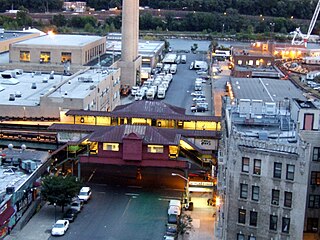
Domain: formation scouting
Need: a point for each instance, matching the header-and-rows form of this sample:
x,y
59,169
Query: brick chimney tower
x,y
130,62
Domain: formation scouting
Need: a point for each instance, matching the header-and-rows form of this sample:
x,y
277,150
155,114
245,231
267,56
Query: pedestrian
x,y
208,201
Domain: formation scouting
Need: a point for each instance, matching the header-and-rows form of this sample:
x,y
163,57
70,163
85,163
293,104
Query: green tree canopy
x,y
60,189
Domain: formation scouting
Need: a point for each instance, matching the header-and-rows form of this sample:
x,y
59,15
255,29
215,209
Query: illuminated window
x,y
111,147
24,56
66,57
44,57
239,62
242,216
257,62
250,63
155,149
315,178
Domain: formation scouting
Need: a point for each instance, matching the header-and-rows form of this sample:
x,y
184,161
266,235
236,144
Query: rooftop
x,y
14,176
145,48
60,40
7,35
33,86
267,90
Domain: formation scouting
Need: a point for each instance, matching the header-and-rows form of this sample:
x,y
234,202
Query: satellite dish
x,y
23,147
10,146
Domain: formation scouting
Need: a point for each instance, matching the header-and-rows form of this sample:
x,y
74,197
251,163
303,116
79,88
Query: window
x,y
275,197
255,193
277,170
290,172
257,166
312,225
243,191
242,216
66,57
253,218
24,56
285,225
273,222
314,201
240,236
251,238
287,199
155,149
316,154
111,147
245,164
315,178
44,57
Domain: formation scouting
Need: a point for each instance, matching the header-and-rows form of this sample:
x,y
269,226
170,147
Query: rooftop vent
x,y
51,75
45,80
85,79
65,93
92,87
18,94
34,86
37,73
12,97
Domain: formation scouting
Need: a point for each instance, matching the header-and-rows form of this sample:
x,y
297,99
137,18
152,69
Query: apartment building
x,y
263,173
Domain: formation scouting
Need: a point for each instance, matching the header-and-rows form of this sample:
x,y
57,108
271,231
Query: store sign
x,y
205,184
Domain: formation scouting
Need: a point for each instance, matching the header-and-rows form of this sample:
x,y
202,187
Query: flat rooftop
x,y
60,86
7,35
60,40
79,86
267,90
29,96
145,48
18,176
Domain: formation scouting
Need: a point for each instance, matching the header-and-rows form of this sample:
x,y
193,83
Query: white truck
x,y
198,85
140,94
134,90
151,92
174,207
173,68
161,94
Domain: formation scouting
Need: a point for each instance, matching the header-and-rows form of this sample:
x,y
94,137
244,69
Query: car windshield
x,y
74,204
58,225
83,193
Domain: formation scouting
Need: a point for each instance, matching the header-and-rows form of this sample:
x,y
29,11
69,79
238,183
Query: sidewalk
x,y
39,226
202,219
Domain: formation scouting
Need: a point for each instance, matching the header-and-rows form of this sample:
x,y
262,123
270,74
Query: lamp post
x,y
55,215
187,186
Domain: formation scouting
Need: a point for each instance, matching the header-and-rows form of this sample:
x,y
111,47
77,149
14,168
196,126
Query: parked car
x,y
166,237
70,214
173,218
172,230
85,194
200,97
60,228
77,205
197,93
197,109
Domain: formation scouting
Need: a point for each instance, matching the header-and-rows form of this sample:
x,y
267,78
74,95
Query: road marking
x,y
102,192
125,210
93,172
132,194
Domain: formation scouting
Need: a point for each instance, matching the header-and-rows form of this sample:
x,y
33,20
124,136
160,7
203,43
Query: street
x,y
122,213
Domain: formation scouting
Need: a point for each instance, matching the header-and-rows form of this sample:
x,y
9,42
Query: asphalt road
x,y
122,213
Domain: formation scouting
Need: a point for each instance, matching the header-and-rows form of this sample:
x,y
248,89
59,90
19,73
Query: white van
x,y
85,194
174,207
183,59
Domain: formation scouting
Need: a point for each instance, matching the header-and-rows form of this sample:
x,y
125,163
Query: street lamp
x,y
187,187
55,215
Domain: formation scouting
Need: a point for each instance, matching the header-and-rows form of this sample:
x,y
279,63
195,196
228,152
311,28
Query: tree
x,y
194,47
60,189
185,225
213,45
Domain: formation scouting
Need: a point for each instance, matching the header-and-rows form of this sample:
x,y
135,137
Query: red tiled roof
x,y
145,109
147,133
